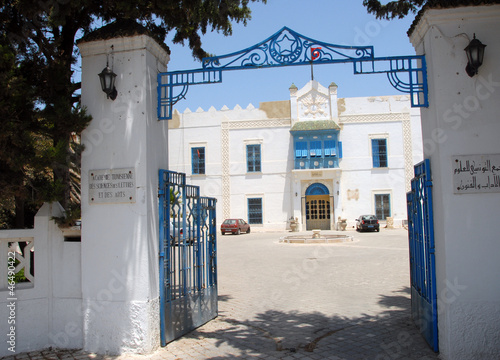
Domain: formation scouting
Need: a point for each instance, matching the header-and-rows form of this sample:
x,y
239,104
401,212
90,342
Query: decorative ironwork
x,y
286,48
289,48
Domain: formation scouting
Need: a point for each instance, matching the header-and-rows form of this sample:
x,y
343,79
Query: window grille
x,y
255,210
253,158
198,160
379,153
383,206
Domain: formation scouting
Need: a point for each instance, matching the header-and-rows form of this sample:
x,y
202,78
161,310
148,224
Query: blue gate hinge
x,y
161,192
161,254
428,183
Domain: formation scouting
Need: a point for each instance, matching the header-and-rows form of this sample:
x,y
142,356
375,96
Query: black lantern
x,y
475,55
107,77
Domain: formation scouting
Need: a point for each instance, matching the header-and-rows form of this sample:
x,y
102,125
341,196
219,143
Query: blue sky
x,y
330,21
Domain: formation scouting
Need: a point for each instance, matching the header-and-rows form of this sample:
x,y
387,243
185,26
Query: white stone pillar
x,y
462,119
120,222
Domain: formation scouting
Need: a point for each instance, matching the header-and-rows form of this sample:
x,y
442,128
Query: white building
x,y
314,157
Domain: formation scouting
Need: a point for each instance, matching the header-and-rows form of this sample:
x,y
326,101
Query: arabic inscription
x,y
474,174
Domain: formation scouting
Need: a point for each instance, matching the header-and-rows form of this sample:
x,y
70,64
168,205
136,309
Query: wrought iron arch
x,y
317,189
289,48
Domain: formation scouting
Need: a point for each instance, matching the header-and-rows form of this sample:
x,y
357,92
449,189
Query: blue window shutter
x,y
258,158
300,149
315,148
340,149
382,152
379,152
330,148
375,153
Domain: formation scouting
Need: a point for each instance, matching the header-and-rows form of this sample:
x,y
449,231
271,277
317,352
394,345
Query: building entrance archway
x,y
318,207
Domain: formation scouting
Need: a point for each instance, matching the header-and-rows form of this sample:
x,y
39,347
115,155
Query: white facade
x,y
352,182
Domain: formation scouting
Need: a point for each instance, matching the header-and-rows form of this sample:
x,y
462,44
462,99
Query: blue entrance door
x,y
422,258
188,256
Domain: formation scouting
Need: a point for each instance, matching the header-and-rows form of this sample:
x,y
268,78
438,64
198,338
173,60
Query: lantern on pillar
x,y
107,77
475,55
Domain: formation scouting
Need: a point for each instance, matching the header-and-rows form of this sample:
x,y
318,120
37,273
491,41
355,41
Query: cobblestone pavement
x,y
298,301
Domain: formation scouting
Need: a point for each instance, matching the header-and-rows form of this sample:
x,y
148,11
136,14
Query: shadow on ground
x,y
389,335
275,334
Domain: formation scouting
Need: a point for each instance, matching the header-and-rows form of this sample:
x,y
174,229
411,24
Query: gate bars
x,y
422,255
407,74
187,256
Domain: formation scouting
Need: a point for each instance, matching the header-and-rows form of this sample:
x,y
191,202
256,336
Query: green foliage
x,y
40,116
70,217
393,9
7,214
19,277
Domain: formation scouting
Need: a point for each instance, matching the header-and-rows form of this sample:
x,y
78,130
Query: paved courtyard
x,y
302,301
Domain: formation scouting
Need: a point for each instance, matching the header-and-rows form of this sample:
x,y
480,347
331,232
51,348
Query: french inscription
x,y
474,174
112,186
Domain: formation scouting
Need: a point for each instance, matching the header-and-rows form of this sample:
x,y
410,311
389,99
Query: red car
x,y
234,226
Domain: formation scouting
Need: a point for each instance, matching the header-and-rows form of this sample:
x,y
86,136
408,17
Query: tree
x,y
393,9
37,57
401,8
17,143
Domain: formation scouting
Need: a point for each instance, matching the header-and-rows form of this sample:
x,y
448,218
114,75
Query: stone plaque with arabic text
x,y
474,174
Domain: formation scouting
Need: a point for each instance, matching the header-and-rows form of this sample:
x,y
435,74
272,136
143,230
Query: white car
x,y
176,234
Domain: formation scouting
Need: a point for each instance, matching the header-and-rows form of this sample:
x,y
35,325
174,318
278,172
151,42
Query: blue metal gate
x,y
422,259
188,256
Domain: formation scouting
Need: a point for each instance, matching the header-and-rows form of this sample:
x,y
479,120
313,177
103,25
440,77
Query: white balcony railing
x,y
16,258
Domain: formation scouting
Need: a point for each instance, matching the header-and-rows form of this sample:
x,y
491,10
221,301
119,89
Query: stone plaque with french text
x,y
112,186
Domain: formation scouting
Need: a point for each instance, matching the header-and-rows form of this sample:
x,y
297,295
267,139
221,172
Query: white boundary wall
x,y
46,312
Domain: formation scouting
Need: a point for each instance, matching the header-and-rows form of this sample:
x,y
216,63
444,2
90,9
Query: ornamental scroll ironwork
x,y
286,48
289,48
